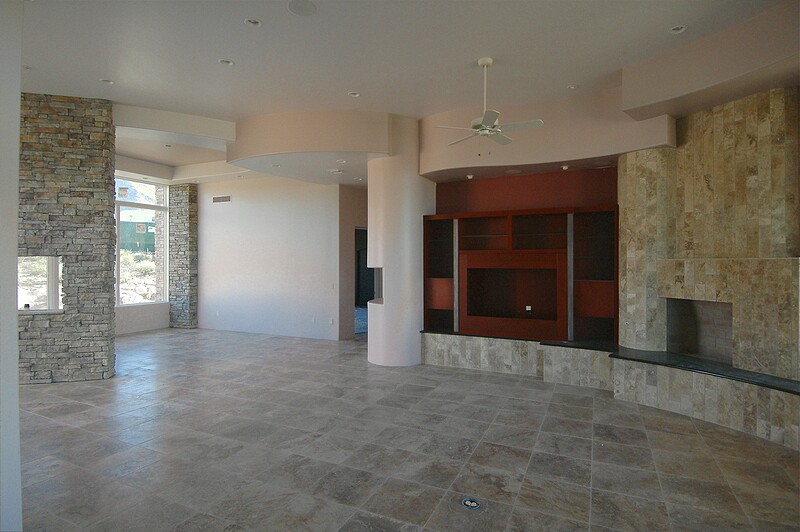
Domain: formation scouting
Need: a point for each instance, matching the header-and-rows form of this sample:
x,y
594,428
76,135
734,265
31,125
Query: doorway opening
x,y
365,283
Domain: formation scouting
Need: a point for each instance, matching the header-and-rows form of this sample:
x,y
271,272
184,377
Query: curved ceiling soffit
x,y
588,126
326,147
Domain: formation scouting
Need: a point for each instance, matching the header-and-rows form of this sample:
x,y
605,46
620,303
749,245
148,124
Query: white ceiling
x,y
409,57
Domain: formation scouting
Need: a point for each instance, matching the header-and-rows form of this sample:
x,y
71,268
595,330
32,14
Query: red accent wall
x,y
571,188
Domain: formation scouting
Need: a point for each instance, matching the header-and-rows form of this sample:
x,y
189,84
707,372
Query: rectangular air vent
x,y
220,199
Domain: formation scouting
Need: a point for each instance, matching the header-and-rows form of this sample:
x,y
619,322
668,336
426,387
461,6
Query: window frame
x,y
148,206
53,283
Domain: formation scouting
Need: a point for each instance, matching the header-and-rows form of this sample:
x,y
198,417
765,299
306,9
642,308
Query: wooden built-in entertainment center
x,y
545,274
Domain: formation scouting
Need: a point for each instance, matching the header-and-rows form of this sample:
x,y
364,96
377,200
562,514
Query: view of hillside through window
x,y
38,283
141,242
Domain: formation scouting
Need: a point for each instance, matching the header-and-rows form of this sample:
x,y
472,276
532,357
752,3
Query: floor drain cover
x,y
471,504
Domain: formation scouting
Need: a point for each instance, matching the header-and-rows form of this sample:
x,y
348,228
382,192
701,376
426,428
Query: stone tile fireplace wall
x,y
717,219
765,299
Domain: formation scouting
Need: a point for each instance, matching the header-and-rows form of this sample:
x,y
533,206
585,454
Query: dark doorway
x,y
365,278
365,282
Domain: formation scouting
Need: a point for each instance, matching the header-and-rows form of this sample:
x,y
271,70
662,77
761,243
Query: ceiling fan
x,y
488,125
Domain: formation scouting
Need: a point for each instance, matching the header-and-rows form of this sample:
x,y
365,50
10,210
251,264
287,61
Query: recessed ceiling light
x,y
513,171
573,87
470,176
302,8
358,179
167,145
276,166
354,94
340,161
27,67
252,22
677,29
106,81
335,171
227,62
565,167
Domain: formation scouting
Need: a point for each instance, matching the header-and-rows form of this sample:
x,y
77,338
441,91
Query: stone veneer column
x,y
642,195
183,289
66,209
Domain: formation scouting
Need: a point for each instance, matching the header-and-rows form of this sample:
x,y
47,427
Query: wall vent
x,y
220,199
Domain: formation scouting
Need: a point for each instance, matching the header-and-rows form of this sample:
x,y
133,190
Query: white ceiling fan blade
x,y
461,140
516,126
490,117
500,138
453,127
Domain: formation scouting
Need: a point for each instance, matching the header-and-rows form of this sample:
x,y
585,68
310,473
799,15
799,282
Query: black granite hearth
x,y
698,365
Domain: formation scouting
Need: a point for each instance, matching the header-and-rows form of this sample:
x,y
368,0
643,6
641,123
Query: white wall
x,y
269,259
398,198
141,317
352,214
10,67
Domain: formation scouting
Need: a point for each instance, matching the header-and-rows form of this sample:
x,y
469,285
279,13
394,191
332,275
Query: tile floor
x,y
208,430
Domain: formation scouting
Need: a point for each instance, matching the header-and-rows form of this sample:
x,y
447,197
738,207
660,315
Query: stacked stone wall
x,y
183,287
66,194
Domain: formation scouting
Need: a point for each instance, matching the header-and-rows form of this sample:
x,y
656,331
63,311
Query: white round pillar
x,y
397,199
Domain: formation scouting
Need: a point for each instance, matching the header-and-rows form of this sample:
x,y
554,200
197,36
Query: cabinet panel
x,y
439,293
595,299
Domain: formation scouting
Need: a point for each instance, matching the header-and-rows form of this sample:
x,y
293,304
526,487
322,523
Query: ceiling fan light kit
x,y
489,125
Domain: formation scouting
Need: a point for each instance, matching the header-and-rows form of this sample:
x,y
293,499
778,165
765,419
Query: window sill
x,y
33,312
144,304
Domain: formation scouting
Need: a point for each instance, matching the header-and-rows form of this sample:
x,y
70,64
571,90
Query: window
x,y
142,239
38,283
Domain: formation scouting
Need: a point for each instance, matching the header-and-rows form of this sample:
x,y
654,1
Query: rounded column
x,y
397,199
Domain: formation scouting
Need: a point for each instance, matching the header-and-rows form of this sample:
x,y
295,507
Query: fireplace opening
x,y
700,328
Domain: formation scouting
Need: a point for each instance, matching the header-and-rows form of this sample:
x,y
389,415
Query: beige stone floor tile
x,y
214,430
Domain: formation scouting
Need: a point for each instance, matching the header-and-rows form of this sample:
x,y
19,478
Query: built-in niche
x,y
700,328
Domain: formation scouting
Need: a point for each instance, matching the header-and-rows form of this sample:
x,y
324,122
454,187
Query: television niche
x,y
514,294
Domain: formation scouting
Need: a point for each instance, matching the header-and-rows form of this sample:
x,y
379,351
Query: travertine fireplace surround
x,y
718,219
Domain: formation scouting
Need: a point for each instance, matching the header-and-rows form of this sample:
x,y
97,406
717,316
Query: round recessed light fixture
x,y
565,167
106,81
252,22
226,62
340,161
354,94
573,87
167,145
680,28
513,171
301,8
358,179
276,166
335,171
470,176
